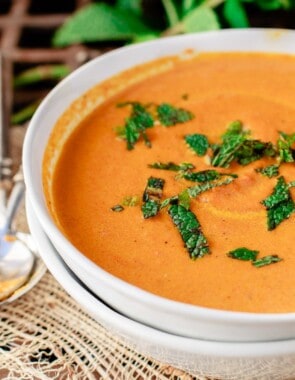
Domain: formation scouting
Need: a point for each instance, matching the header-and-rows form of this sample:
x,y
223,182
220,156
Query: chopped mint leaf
x,y
190,231
269,171
253,150
205,175
236,146
285,143
170,115
277,214
279,204
154,188
234,128
136,125
117,208
198,143
171,166
280,193
243,254
150,208
232,140
130,201
151,197
194,191
184,199
169,201
266,260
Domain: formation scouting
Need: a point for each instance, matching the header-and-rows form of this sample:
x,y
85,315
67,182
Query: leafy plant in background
x,y
128,20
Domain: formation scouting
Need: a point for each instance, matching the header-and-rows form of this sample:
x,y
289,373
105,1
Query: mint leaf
x,y
184,199
171,166
280,193
151,197
266,260
136,125
170,115
150,208
190,231
269,171
253,150
243,254
117,208
194,191
205,175
285,143
100,22
277,214
200,19
130,201
232,140
134,6
279,204
198,143
235,14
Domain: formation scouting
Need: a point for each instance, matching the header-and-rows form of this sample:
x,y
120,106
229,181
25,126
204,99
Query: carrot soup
x,y
179,179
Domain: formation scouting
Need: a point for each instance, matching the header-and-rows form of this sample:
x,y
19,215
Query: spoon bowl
x,y
25,277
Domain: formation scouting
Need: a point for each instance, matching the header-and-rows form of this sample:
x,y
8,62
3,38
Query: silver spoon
x,y
20,266
16,258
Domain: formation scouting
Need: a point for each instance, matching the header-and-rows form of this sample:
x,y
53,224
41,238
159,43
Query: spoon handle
x,y
5,162
14,201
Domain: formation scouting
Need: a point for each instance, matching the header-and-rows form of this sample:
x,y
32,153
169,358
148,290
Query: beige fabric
x,y
45,335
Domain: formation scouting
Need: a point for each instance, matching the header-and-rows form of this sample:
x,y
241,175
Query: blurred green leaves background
x,y
140,20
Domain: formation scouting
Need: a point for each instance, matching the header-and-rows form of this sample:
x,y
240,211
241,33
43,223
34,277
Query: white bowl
x,y
261,360
175,317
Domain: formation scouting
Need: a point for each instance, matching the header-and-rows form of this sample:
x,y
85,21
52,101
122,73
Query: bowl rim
x,y
40,209
119,322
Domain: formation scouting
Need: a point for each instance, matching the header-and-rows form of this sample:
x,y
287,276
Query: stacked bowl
x,y
203,341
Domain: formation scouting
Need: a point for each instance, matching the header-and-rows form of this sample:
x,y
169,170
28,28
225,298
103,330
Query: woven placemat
x,y
46,335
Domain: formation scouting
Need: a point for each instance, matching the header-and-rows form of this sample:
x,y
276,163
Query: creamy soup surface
x,y
95,171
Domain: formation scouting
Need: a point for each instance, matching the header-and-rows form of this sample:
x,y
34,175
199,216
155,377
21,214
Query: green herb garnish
x,y
269,171
236,146
253,150
171,166
184,199
136,125
194,191
190,231
266,260
170,115
198,143
232,140
151,197
243,254
117,208
150,208
130,201
279,204
205,175
285,143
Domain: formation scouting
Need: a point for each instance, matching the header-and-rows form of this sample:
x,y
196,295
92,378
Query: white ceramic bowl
x,y
222,360
175,317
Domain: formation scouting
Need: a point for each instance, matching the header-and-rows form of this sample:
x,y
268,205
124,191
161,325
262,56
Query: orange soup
x,y
220,239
